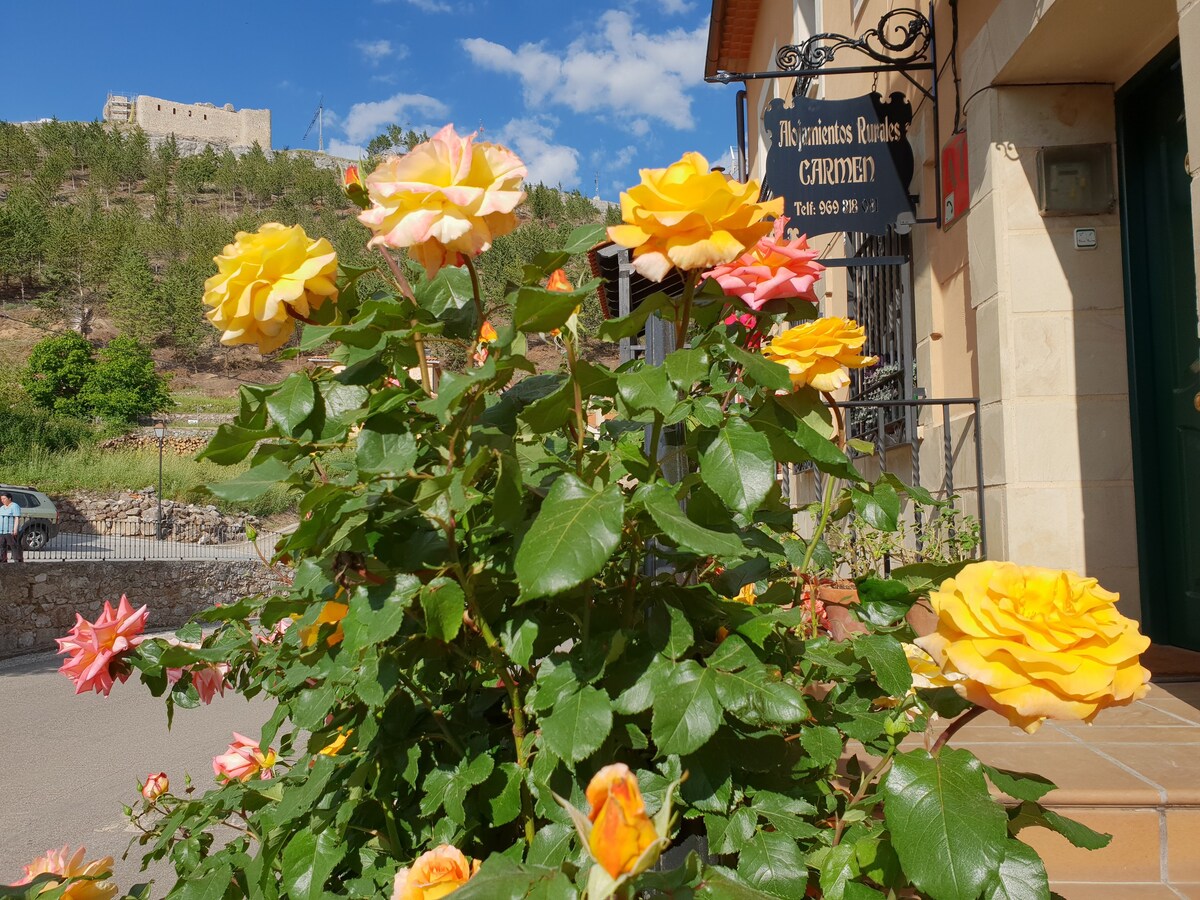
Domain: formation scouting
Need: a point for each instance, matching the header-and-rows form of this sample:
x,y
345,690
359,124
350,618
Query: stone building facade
x,y
1075,328
224,126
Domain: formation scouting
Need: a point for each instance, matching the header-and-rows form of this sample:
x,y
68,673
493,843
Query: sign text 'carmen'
x,y
840,165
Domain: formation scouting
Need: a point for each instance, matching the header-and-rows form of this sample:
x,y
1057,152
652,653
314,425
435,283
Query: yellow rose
x,y
265,277
331,613
441,871
746,594
819,353
621,830
446,199
688,217
334,747
1036,644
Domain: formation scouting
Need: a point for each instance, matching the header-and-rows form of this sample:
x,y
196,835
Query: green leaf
x,y
254,482
308,861
739,467
575,532
578,725
822,743
538,309
947,830
518,639
761,370
444,604
773,863
888,661
1021,785
686,367
645,388
231,444
505,805
693,713
754,696
716,885
502,879
838,866
880,508
292,403
634,323
447,296
920,578
380,451
1076,832
584,238
1021,876
664,509
377,612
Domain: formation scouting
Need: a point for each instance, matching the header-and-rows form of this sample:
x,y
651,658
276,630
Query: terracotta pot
x,y
838,598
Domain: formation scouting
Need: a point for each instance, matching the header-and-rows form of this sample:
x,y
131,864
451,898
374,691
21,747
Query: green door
x,y
1160,287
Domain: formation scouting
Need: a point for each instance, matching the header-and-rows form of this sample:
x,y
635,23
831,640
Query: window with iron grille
x,y
879,297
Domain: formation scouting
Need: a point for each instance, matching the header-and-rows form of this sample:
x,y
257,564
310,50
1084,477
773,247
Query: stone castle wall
x,y
38,601
203,122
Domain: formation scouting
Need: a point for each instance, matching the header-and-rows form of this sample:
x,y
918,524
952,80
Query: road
x,y
68,763
82,547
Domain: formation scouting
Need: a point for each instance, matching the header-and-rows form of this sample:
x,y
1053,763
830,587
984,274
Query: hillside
x,y
102,233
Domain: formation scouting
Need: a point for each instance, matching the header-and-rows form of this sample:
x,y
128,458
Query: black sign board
x,y
840,165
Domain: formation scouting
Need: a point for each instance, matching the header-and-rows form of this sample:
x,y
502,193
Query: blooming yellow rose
x,y
67,865
688,217
445,199
621,830
1035,644
819,353
331,613
441,871
746,594
265,277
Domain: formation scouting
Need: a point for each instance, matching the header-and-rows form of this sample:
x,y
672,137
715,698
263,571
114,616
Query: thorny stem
x,y
683,319
437,716
840,437
580,430
477,296
826,510
418,339
953,727
519,726
862,791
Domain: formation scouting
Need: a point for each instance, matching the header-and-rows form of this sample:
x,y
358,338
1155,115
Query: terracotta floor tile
x,y
1190,891
1136,715
1180,708
1183,845
1091,891
1189,692
1133,855
1083,777
1141,734
1174,767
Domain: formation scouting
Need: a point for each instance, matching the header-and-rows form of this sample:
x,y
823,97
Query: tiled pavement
x,y
1134,773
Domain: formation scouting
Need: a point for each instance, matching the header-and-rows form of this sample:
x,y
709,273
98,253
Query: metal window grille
x,y
880,298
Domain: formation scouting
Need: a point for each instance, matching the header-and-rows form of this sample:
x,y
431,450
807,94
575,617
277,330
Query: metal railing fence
x,y
124,541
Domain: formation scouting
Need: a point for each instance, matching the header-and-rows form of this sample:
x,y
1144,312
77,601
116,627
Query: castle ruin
x,y
205,123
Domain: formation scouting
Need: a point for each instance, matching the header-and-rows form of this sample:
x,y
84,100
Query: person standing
x,y
10,529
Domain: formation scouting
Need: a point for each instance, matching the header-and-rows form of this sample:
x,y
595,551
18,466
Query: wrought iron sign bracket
x,y
904,42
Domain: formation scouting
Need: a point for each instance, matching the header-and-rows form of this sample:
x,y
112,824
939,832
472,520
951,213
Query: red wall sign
x,y
956,182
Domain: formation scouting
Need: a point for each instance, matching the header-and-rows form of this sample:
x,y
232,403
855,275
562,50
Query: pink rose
x,y
773,269
67,865
243,760
155,786
93,648
446,199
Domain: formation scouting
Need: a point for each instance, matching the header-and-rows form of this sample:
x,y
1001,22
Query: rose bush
x,y
496,616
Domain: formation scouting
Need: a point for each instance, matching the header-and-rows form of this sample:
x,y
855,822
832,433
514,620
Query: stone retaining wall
x,y
136,514
38,601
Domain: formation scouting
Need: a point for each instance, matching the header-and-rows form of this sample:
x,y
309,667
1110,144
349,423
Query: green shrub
x,y
57,372
124,385
23,429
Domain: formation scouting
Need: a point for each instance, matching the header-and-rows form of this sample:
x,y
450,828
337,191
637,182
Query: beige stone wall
x,y
203,122
1006,308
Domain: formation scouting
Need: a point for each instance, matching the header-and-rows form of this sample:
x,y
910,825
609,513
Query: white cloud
x,y
675,7
375,52
622,71
365,120
335,147
431,6
550,163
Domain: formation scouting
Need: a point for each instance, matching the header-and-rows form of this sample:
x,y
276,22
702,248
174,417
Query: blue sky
x,y
577,88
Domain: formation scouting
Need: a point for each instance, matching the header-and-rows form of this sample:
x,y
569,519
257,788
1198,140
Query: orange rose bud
x,y
558,282
621,830
487,333
353,187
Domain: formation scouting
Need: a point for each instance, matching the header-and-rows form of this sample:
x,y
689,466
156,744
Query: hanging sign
x,y
840,165
956,182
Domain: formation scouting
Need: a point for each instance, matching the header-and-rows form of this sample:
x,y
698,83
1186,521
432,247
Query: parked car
x,y
39,516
